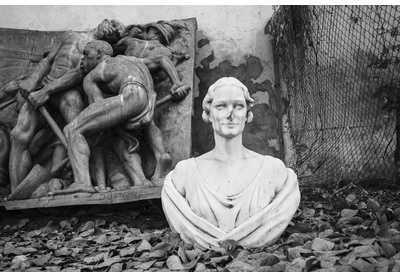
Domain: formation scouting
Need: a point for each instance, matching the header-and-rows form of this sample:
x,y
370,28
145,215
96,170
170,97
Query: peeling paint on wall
x,y
261,135
261,97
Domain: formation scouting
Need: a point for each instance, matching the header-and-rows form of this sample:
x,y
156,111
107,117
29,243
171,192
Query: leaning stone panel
x,y
22,50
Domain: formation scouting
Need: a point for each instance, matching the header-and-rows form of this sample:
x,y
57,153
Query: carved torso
x,y
69,54
146,49
113,73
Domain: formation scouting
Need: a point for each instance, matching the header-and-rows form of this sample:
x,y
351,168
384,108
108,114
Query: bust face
x,y
228,111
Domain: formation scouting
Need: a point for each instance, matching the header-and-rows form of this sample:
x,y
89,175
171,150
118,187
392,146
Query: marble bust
x,y
230,192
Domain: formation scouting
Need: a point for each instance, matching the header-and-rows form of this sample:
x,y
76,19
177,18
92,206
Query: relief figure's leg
x,y
95,118
98,168
131,162
69,104
153,137
74,105
41,140
29,122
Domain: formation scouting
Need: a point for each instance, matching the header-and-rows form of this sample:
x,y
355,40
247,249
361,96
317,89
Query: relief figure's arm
x,y
91,86
69,80
41,70
178,89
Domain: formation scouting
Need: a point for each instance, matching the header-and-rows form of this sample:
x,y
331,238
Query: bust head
x,y
227,106
228,82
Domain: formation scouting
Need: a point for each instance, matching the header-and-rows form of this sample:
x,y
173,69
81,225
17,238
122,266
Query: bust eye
x,y
220,106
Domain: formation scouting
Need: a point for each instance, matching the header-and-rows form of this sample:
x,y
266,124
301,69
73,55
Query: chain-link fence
x,y
339,71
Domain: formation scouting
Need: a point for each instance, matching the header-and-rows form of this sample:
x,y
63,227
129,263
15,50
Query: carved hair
x,y
226,81
118,27
165,29
117,30
102,46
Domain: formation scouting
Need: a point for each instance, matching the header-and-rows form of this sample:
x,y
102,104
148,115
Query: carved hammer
x,y
169,97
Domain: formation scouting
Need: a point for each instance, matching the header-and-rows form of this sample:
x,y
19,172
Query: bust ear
x,y
249,117
206,117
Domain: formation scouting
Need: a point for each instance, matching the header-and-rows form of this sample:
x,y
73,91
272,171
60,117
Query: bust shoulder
x,y
179,175
279,170
276,162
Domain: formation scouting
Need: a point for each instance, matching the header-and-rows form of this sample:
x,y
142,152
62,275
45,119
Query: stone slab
x,y
20,52
113,197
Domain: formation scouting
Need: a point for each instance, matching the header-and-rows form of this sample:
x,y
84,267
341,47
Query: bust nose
x,y
230,113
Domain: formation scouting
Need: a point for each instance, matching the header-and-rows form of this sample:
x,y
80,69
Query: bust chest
x,y
230,178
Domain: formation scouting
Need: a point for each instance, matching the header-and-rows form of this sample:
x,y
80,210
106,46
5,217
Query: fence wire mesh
x,y
339,72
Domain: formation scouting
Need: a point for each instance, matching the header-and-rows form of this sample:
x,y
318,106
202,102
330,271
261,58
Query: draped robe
x,y
255,217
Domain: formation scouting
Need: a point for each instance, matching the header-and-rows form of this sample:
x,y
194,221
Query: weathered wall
x,y
230,42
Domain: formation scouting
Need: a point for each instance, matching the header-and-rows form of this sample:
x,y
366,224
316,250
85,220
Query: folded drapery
x,y
262,228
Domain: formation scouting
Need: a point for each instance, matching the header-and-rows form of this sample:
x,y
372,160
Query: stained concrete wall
x,y
231,41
